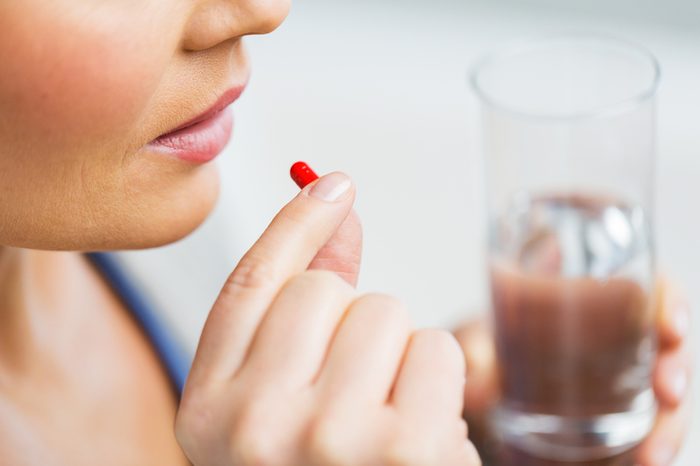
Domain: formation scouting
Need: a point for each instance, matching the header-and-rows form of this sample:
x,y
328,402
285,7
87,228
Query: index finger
x,y
285,249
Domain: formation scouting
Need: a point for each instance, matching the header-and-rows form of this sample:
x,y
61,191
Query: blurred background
x,y
378,89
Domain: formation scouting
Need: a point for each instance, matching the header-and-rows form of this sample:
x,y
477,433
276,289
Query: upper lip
x,y
226,99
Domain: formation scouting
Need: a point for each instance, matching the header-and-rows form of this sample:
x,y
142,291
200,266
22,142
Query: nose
x,y
214,21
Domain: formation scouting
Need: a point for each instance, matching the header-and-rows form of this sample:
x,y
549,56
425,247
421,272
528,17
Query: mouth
x,y
203,137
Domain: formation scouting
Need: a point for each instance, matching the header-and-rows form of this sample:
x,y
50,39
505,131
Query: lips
x,y
203,137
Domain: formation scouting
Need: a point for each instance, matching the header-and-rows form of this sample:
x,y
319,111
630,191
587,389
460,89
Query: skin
x,y
672,376
342,379
295,368
85,85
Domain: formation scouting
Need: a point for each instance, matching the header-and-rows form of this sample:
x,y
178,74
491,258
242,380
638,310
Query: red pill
x,y
302,174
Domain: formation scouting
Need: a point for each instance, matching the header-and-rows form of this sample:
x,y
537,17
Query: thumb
x,y
343,252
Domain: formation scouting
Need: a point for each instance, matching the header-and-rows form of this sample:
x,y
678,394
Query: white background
x,y
378,89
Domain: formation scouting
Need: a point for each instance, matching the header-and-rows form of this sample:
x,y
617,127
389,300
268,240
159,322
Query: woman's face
x,y
90,89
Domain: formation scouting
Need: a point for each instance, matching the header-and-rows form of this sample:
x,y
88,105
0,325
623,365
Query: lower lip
x,y
200,142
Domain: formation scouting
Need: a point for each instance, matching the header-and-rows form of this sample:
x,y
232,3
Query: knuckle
x,y
253,442
388,308
251,273
193,422
187,430
325,444
320,283
410,453
444,347
409,449
319,279
250,421
255,452
442,341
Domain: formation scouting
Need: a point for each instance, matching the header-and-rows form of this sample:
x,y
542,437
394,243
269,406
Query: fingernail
x,y
679,384
331,187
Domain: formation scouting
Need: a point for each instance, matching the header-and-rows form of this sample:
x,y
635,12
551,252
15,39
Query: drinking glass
x,y
568,135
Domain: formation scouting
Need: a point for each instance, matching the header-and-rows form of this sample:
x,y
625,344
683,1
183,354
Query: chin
x,y
173,216
160,204
153,214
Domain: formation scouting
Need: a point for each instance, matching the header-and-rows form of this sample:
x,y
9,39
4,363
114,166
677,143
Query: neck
x,y
35,302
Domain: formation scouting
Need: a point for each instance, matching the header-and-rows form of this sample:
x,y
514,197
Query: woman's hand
x,y
672,376
294,368
671,380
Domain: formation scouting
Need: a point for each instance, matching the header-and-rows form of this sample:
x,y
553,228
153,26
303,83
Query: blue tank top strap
x,y
171,353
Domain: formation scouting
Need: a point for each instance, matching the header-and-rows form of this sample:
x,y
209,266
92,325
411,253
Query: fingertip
x,y
671,379
481,390
286,248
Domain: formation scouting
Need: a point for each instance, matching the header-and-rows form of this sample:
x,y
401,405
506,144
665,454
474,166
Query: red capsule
x,y
302,174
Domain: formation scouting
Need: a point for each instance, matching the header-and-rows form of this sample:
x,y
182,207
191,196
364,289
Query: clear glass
x,y
568,126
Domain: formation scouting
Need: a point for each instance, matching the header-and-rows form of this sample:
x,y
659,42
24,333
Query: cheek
x,y
85,78
79,85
